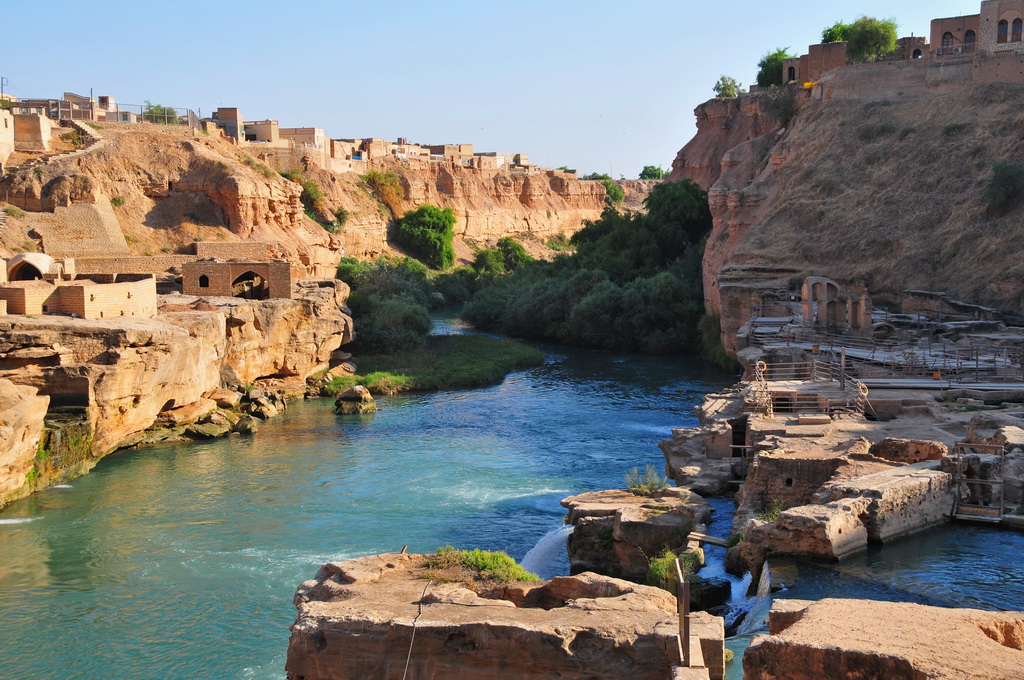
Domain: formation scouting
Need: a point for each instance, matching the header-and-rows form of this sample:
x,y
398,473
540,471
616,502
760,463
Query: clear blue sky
x,y
595,85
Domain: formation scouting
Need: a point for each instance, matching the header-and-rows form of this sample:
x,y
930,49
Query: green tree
x,y
652,172
596,176
727,87
615,194
769,69
869,39
837,32
428,231
154,113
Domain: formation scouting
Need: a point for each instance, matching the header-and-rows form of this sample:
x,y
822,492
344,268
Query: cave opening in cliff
x,y
250,286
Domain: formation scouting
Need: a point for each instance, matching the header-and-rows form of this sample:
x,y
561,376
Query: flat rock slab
x,y
841,639
356,620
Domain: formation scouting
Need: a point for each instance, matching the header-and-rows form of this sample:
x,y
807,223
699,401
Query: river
x,y
180,561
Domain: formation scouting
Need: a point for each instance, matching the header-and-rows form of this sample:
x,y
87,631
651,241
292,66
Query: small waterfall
x,y
546,558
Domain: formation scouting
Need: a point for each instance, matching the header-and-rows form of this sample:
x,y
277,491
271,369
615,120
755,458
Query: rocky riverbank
x,y
827,486
107,384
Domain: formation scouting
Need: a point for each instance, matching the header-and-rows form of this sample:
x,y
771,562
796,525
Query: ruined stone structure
x,y
31,132
249,280
84,299
829,306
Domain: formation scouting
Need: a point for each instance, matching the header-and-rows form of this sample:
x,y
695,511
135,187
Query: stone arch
x,y
917,54
250,286
29,266
24,271
883,331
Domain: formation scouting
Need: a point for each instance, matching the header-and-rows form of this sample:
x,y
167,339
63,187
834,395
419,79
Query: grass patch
x,y
444,362
117,201
14,212
954,128
662,570
771,513
648,485
450,565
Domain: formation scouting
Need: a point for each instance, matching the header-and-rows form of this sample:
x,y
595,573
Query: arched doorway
x,y
970,41
24,271
917,54
250,286
792,73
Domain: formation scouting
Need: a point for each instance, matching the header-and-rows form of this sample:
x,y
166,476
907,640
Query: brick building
x,y
249,280
85,299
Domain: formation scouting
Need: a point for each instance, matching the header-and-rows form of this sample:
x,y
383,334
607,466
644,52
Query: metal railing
x,y
683,605
824,386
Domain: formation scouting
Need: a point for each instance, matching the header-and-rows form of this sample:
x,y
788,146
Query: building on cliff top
x,y
248,280
997,28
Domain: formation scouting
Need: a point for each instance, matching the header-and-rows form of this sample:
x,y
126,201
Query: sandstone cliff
x,y
119,376
879,179
172,188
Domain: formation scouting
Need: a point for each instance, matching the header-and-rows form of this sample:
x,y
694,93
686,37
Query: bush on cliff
x,y
427,232
1005,188
634,283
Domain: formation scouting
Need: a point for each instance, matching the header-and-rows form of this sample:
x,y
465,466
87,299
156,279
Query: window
x,y
792,73
1017,26
970,40
1001,32
917,54
204,281
947,41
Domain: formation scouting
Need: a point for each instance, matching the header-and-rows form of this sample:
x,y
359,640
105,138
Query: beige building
x,y
32,132
85,299
248,280
6,138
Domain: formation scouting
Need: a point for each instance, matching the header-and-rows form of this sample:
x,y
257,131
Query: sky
x,y
594,85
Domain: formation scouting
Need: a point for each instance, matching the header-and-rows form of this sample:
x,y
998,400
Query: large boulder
x,y
355,400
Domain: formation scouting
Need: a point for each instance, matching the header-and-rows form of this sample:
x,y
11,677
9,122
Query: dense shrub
x,y
1005,188
769,68
391,325
427,231
870,39
634,283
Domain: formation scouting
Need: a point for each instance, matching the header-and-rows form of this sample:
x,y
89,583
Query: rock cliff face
x,y
867,184
21,429
173,187
121,375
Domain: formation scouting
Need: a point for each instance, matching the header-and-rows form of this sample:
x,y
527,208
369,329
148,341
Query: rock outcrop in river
x,y
364,618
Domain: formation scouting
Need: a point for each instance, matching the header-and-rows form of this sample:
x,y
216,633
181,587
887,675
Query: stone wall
x,y
234,250
82,230
793,481
137,264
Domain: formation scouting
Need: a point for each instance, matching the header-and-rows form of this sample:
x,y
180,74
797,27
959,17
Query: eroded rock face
x,y
839,639
355,621
21,427
126,374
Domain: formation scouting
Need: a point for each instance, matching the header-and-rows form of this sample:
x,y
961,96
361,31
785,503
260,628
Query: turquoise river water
x,y
180,561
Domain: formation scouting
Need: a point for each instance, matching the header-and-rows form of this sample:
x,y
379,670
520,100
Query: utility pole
x,y
3,81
